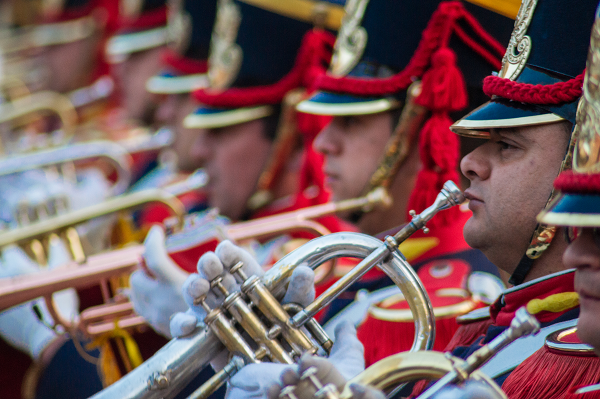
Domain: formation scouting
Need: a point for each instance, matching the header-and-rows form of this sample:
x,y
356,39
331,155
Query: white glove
x,y
213,264
66,301
20,326
345,361
158,297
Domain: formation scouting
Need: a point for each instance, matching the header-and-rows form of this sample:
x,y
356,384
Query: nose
x,y
583,252
328,141
475,165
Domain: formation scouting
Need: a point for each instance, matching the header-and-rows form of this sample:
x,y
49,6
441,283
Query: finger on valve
x,y
231,254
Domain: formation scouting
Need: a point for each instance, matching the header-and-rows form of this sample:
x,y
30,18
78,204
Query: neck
x,y
550,262
402,185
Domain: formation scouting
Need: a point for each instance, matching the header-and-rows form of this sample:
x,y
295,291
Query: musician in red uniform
x,y
390,129
246,137
134,54
528,124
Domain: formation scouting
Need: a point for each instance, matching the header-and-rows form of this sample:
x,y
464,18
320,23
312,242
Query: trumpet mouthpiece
x,y
453,193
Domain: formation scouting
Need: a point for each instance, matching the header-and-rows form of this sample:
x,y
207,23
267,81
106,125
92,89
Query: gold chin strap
x,y
398,146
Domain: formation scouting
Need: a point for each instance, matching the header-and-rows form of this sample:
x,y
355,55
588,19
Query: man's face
x,y
131,76
353,147
233,157
511,179
70,64
171,112
584,254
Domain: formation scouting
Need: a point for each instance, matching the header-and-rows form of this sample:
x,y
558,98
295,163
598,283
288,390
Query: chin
x,y
472,233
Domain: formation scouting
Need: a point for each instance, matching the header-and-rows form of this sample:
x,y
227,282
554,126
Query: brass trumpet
x,y
395,370
83,272
101,319
21,110
65,157
172,367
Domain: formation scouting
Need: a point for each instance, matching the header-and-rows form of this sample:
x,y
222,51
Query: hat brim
x,y
166,83
581,210
498,114
122,45
333,104
210,118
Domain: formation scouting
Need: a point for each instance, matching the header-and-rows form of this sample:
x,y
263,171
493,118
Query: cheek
x,y
588,326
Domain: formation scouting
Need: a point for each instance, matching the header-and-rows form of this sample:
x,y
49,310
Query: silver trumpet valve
x,y
523,324
327,391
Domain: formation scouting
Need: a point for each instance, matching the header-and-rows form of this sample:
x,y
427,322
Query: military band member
x,y
183,69
134,53
528,128
388,133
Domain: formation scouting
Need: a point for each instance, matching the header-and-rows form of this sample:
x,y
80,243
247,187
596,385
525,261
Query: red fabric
x,y
183,65
435,36
467,334
589,395
394,337
578,183
553,94
547,375
502,315
151,19
313,55
397,336
439,150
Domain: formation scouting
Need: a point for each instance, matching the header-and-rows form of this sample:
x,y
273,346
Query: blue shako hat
x,y
380,39
578,203
259,54
189,28
548,48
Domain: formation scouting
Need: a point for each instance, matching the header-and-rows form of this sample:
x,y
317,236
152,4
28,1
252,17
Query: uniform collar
x,y
503,310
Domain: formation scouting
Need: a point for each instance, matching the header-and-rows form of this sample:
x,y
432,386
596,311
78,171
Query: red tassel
x,y
547,375
467,334
439,152
444,87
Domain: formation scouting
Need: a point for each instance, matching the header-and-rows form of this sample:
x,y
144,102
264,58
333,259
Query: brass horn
x,y
21,110
172,367
66,156
100,319
395,370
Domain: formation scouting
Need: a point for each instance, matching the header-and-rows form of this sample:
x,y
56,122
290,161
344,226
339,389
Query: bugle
x,y
101,319
395,370
116,155
172,367
22,109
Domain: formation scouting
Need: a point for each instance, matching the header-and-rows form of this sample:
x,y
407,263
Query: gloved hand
x,y
218,263
158,297
19,326
345,361
66,301
213,264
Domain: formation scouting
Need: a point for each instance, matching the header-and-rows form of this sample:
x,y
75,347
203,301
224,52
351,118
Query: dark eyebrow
x,y
512,132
